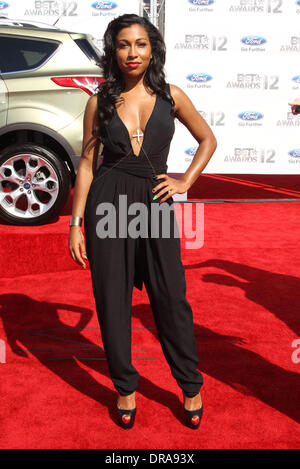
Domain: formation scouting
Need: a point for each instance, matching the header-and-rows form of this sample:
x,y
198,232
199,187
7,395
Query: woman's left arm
x,y
186,112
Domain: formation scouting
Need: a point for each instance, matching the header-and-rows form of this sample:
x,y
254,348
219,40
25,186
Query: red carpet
x,y
245,186
243,286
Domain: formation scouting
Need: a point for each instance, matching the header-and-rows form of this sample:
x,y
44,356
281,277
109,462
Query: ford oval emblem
x,y
253,40
104,5
250,116
199,77
295,153
3,5
191,151
201,2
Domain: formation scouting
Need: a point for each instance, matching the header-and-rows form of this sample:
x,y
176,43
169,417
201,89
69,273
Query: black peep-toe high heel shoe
x,y
193,417
126,417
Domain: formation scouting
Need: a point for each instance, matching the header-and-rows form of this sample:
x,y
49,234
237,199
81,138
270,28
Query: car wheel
x,y
34,184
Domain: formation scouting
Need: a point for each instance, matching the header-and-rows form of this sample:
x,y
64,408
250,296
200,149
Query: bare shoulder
x,y
180,97
188,115
176,92
92,103
91,110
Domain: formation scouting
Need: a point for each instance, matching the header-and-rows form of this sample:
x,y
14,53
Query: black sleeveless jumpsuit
x,y
119,263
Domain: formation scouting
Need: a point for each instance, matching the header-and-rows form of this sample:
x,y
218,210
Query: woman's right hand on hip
x,y
77,245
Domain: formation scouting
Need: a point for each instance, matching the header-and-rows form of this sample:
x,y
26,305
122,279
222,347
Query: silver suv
x,y
46,78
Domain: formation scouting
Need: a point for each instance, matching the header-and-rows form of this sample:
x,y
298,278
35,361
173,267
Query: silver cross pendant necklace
x,y
138,135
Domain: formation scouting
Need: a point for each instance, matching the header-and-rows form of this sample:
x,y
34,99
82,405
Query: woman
x,y
133,114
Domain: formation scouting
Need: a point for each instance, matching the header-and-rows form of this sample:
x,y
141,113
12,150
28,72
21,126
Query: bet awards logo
x,y
52,8
290,121
251,155
214,118
202,42
292,46
256,6
254,81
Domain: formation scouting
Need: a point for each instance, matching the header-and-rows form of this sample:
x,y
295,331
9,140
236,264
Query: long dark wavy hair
x,y
109,91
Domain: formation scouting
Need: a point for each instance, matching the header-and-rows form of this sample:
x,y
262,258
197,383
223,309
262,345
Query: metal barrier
x,y
155,11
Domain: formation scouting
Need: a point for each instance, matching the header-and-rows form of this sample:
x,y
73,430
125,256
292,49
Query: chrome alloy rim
x,y
28,185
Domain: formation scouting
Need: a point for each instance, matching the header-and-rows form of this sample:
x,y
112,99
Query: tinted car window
x,y
23,54
89,49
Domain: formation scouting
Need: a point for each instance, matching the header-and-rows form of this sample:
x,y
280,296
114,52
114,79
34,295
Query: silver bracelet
x,y
75,221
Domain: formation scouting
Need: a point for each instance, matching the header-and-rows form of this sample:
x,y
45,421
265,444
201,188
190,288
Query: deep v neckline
x,y
146,126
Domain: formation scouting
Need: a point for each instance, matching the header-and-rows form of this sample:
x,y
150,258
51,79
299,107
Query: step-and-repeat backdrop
x,y
238,61
86,16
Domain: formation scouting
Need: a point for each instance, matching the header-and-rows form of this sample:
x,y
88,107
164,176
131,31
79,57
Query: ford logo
x,y
298,2
295,153
253,40
296,79
3,5
201,2
104,5
199,77
250,116
191,151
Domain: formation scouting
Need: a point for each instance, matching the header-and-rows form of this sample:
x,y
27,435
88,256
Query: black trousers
x,y
115,264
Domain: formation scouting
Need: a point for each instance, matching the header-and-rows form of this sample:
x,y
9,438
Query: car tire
x,y
34,184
